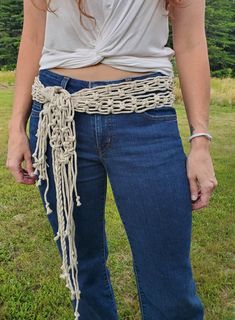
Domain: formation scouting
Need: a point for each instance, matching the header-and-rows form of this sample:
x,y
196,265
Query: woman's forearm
x,y
26,69
194,76
191,54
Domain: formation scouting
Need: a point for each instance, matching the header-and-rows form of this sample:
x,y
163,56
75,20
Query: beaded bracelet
x,y
200,134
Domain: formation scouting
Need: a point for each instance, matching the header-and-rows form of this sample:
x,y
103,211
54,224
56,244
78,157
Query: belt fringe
x,y
56,123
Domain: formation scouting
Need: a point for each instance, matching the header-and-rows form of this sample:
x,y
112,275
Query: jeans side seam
x,y
139,289
104,259
108,283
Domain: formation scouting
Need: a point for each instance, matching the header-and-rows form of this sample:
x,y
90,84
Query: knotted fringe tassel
x,y
56,123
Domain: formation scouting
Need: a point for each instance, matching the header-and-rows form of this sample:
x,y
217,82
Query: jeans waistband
x,y
88,84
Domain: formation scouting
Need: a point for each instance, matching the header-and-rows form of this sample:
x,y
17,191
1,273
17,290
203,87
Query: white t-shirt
x,y
130,35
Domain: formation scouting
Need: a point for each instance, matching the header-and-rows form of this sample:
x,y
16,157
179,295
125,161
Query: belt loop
x,y
64,82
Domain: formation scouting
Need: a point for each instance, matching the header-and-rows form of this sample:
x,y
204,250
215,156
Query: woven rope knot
x,y
57,89
121,92
48,93
144,103
95,95
146,87
110,102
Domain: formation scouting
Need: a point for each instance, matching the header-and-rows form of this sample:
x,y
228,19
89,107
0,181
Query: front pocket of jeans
x,y
36,108
165,113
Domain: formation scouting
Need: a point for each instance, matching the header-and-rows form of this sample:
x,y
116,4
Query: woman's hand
x,y
201,174
19,151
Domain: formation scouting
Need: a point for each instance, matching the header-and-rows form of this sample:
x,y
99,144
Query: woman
x,y
109,62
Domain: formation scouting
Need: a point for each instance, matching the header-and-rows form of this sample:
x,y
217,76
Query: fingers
x,y
20,174
194,188
201,176
19,152
15,171
29,164
206,189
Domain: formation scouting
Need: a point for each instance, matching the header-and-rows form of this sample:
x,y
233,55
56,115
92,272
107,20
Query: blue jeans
x,y
143,157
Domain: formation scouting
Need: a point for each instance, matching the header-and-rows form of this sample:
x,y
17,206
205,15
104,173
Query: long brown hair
x,y
169,5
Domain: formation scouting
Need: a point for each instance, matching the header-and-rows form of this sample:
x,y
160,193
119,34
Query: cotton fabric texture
x,y
130,35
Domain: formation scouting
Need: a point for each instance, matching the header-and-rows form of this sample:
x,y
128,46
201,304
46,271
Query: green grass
x,y
30,287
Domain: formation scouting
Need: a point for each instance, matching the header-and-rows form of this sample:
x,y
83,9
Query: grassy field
x,y
30,287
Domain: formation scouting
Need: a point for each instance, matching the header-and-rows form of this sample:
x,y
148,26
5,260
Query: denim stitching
x,y
107,145
36,108
163,117
160,118
96,129
139,289
64,82
111,131
104,264
141,292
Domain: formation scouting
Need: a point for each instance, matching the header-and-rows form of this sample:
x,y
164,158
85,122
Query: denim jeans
x,y
143,157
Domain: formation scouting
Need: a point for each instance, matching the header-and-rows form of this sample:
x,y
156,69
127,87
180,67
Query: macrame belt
x,y
56,125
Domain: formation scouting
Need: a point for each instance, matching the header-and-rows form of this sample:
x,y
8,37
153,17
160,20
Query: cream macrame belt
x,y
56,122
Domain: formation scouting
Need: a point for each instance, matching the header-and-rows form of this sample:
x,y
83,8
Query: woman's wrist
x,y
199,137
17,125
200,142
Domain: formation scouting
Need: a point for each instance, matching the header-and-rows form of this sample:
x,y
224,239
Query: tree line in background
x,y
220,31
